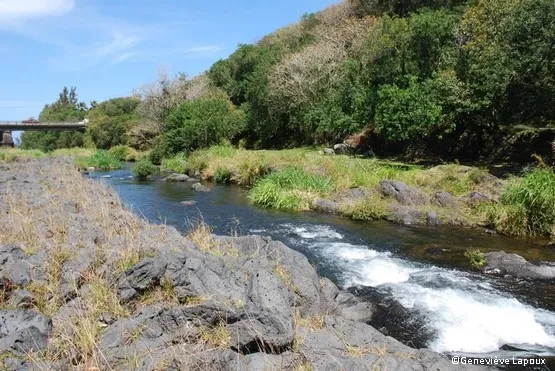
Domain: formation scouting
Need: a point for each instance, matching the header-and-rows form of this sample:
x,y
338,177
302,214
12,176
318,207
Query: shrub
x,y
222,175
476,257
103,160
143,169
11,154
201,123
289,189
158,152
532,199
177,163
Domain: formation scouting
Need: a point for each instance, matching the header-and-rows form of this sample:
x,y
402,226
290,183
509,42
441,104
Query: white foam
x,y
314,232
366,267
467,313
261,230
473,322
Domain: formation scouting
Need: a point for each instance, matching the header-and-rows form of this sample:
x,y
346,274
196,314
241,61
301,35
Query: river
x,y
428,295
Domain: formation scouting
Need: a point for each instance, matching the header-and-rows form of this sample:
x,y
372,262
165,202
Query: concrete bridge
x,y
6,128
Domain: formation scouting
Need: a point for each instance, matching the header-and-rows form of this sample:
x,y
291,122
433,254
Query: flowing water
x,y
427,294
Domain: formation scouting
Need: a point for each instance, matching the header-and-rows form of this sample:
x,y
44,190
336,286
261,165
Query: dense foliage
x,y
110,121
201,123
66,108
422,71
444,76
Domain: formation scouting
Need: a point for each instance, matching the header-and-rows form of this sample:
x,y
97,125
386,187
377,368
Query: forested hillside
x,y
421,77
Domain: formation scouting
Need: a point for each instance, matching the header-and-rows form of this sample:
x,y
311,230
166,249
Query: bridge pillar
x,y
6,139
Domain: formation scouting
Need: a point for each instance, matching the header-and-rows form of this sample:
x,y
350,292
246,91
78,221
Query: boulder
x,y
341,149
406,215
475,198
140,277
23,331
404,194
200,188
361,312
326,206
175,177
432,219
329,151
14,269
348,345
443,198
500,262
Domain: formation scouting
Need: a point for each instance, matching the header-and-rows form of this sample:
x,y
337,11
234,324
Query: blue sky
x,y
107,48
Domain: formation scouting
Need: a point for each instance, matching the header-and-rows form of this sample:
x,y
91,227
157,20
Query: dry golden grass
x,y
313,323
39,223
201,235
218,337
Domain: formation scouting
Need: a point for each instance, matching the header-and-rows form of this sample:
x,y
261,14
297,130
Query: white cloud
x,y
123,57
17,11
120,43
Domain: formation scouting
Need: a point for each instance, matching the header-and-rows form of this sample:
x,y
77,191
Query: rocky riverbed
x,y
85,284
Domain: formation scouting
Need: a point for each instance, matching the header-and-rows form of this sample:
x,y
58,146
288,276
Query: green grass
x,y
102,160
291,189
222,175
124,153
371,208
176,164
344,172
196,164
72,152
527,205
12,154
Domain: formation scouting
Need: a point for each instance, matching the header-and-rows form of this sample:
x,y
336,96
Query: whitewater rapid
x,y
464,311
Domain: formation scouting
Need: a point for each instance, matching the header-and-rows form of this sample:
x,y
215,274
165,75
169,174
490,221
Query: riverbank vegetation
x,y
143,169
297,179
527,205
102,160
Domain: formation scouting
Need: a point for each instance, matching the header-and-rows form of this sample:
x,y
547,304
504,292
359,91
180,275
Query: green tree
x,y
201,123
111,121
431,40
66,109
509,59
406,113
245,78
